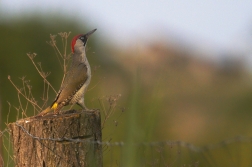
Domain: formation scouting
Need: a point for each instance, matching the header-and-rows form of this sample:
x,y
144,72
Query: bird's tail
x,y
45,111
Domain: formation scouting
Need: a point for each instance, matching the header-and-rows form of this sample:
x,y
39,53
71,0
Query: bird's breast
x,y
80,93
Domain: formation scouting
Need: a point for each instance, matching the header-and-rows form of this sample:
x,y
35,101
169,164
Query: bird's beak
x,y
90,33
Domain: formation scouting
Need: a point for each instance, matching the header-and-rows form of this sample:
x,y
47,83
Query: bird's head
x,y
80,40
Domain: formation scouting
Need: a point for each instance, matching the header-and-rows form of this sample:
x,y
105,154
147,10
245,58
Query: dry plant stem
x,y
58,51
102,105
109,113
112,104
104,111
33,103
94,86
65,60
19,100
8,113
27,103
24,87
7,148
40,73
44,89
53,44
64,37
45,93
57,55
23,82
17,112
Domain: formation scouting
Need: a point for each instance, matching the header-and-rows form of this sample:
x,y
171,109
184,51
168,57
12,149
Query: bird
x,y
77,78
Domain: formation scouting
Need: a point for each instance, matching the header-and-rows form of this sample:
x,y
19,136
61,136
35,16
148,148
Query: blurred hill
x,y
168,93
186,96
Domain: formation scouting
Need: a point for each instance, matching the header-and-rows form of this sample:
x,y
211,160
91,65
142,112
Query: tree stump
x,y
65,140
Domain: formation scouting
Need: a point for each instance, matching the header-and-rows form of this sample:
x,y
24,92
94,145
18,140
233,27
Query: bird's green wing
x,y
74,80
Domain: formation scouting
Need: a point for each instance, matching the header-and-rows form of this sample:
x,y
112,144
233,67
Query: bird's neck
x,y
79,55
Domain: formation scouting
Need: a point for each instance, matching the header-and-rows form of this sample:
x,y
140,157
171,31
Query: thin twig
x,y
41,74
9,78
20,104
94,86
8,112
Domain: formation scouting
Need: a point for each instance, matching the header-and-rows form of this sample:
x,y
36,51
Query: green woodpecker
x,y
77,78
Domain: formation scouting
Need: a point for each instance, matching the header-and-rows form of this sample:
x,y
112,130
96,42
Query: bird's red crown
x,y
74,41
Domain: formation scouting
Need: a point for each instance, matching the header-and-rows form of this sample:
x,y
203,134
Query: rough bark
x,y
70,139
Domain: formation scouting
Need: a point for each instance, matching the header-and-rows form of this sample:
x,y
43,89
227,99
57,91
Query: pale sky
x,y
218,24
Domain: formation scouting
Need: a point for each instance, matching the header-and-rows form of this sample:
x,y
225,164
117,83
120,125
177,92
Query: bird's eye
x,y
83,39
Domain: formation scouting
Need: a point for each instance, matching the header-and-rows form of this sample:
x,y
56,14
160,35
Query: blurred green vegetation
x,y
167,93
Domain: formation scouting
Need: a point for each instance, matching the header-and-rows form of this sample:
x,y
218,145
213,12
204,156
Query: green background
x,y
167,93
